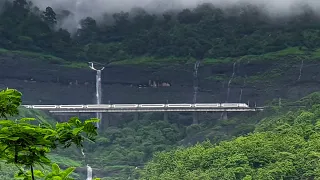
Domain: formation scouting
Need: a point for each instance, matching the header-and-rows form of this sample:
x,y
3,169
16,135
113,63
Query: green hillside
x,y
278,143
283,146
205,32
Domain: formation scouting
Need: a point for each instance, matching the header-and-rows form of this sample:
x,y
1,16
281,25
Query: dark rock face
x,y
44,83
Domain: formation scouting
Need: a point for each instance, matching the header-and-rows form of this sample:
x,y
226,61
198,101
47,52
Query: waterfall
x,y
195,81
301,67
89,169
241,91
98,95
89,172
195,89
233,73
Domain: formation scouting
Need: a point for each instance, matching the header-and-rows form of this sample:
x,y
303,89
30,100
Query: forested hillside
x,y
283,146
202,32
246,55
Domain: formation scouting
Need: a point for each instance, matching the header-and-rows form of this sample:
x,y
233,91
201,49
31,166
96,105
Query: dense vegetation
x,y
282,147
26,145
203,32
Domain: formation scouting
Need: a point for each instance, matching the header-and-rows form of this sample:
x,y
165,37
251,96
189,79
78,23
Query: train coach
x,y
134,106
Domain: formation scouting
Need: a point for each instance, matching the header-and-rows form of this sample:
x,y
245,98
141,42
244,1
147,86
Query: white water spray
x,y
98,95
195,81
241,91
301,67
195,89
89,172
89,169
233,73
98,91
83,153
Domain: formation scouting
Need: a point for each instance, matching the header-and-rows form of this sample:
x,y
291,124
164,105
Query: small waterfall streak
x,y
89,172
301,67
98,95
241,91
240,98
233,73
83,153
195,81
89,169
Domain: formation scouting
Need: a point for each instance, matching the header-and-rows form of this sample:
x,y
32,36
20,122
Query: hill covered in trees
x,y
203,32
284,51
283,146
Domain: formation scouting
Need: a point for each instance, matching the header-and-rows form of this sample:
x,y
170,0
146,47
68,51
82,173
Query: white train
x,y
133,106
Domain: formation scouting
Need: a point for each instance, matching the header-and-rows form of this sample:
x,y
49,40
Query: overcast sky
x,y
95,8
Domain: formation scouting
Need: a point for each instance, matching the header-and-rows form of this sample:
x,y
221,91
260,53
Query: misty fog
x,y
96,8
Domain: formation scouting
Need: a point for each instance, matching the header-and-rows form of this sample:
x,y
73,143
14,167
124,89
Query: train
x,y
132,106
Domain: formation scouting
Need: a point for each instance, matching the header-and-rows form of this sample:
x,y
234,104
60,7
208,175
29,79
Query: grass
x,y
291,51
44,57
153,61
266,77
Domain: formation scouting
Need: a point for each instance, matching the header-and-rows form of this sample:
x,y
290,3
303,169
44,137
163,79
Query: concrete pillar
x,y
224,116
165,116
65,118
195,118
136,116
105,121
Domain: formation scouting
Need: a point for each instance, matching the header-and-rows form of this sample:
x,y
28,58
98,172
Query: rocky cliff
x,y
42,82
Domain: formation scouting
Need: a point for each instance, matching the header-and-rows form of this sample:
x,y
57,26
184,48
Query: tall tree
x,y
49,17
25,144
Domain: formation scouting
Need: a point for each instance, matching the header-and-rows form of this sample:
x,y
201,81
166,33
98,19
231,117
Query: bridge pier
x,y
136,116
105,121
165,116
195,118
224,116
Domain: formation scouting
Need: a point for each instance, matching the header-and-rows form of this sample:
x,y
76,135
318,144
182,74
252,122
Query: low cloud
x,y
96,8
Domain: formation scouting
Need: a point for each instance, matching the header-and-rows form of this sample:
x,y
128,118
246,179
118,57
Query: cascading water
x,y
195,89
233,73
98,95
89,169
300,72
89,172
224,114
195,81
98,91
241,91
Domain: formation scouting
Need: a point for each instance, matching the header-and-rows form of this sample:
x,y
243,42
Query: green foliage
x,y
10,99
119,150
205,32
25,144
57,174
283,147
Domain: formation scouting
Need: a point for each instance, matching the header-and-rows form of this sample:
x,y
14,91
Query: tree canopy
x,y
282,147
202,32
26,145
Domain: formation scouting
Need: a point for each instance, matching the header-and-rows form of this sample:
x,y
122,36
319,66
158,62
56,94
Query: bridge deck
x,y
157,110
138,108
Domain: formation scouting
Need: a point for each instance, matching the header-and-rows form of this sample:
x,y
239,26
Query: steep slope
x,y
284,146
254,56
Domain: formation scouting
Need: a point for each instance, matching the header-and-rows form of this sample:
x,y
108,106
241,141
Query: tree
x,y
87,31
49,17
25,144
10,100
287,149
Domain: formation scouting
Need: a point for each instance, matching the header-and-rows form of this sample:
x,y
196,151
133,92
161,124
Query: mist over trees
x,y
203,32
